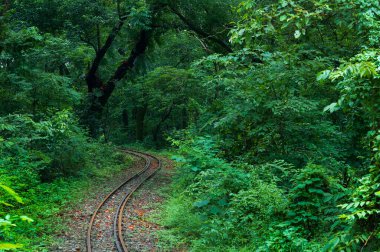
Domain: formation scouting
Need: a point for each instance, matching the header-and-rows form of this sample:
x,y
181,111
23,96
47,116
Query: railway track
x,y
114,204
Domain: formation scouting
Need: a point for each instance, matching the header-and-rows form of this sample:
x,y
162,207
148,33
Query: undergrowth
x,y
215,205
47,202
51,165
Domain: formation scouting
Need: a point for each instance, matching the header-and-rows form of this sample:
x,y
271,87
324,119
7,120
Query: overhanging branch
x,y
199,31
125,66
92,79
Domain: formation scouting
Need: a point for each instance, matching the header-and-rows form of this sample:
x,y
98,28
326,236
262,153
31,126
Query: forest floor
x,y
140,232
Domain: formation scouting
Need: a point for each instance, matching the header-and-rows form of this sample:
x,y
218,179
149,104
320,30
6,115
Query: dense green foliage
x,y
46,155
273,107
293,110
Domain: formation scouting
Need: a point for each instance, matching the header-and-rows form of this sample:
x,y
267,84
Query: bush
x,y
218,205
311,213
8,223
34,150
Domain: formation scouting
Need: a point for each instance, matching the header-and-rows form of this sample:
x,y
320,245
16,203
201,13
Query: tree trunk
x,y
185,118
164,117
125,118
100,92
140,118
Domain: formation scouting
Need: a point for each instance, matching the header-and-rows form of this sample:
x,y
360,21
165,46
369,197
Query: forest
x,y
268,111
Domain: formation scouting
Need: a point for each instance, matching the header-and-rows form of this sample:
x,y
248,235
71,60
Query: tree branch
x,y
164,117
88,42
98,36
199,31
92,79
205,47
125,66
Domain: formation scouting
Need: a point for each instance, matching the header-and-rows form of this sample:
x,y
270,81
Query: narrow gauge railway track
x,y
116,202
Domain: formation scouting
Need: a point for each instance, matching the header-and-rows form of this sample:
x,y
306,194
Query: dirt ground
x,y
139,233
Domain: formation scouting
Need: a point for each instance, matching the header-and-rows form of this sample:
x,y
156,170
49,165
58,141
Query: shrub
x,y
227,203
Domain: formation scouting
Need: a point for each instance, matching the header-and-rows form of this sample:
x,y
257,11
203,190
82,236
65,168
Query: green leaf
x,y
12,193
283,18
26,218
201,203
332,244
194,169
318,191
5,203
10,246
222,202
215,210
297,34
324,75
367,70
331,108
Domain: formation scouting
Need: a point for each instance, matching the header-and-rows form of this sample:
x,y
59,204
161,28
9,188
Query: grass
x,y
47,203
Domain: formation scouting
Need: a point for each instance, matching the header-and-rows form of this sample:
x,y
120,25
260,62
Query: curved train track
x,y
116,201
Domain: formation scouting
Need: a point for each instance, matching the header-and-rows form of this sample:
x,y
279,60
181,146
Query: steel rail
x,y
118,223
148,161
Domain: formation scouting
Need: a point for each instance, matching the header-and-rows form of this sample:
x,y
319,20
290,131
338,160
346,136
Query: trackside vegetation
x,y
271,109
